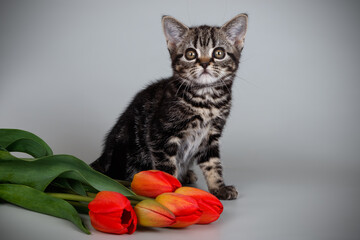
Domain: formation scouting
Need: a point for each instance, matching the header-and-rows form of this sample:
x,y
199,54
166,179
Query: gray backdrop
x,y
291,145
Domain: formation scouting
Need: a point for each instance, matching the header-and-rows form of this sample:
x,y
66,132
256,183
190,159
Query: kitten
x,y
177,121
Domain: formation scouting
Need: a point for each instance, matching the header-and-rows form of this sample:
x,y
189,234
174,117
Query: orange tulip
x,y
208,203
111,212
152,214
151,183
185,208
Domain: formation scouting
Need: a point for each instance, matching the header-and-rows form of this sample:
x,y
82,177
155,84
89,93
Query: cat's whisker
x,y
221,77
186,87
179,87
247,81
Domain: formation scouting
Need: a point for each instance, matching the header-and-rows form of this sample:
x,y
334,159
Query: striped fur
x,y
178,121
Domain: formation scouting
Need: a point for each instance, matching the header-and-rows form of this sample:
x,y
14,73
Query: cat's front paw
x,y
225,192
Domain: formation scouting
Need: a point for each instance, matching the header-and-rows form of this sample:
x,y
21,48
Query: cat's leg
x,y
165,163
210,164
165,159
190,177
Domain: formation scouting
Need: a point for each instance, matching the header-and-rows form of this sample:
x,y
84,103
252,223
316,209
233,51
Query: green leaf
x,y
38,201
23,141
39,173
89,188
77,187
73,185
27,146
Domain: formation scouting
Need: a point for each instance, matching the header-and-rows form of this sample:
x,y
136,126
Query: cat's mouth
x,y
205,72
206,77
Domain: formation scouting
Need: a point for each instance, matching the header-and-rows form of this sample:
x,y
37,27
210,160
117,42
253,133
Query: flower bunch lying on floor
x,y
64,186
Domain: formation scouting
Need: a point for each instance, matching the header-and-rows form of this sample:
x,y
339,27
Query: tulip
x,y
152,183
152,214
111,212
185,208
209,204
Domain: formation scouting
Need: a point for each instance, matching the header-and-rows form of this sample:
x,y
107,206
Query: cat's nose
x,y
204,64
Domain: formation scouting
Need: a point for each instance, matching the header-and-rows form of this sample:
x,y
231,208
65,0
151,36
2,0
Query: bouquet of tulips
x,y
64,186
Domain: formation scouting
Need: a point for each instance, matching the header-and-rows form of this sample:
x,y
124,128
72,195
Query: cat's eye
x,y
190,54
219,53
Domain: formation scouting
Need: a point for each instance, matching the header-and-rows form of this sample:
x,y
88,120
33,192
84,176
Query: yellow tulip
x,y
152,214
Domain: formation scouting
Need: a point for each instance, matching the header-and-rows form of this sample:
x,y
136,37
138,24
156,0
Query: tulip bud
x,y
111,212
152,214
185,208
151,183
208,203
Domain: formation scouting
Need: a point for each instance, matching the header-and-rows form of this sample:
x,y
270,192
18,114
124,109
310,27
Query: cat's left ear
x,y
174,31
235,29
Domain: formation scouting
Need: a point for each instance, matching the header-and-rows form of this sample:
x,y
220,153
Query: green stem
x,y
71,197
78,204
90,194
125,183
80,207
138,198
134,202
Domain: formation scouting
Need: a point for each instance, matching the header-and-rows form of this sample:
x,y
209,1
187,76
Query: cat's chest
x,y
193,139
207,107
203,112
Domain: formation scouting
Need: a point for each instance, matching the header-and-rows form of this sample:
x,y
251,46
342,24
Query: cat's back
x,y
145,106
153,93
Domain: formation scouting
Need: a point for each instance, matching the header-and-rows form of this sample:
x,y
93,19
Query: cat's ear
x,y
235,29
174,31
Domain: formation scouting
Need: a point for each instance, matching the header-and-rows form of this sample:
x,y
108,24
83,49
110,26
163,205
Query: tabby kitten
x,y
177,121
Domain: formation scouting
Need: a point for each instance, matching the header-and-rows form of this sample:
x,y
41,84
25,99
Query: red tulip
x,y
111,212
185,208
151,183
152,214
208,203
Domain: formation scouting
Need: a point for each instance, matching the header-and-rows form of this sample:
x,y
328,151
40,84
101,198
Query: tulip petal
x,y
107,223
151,183
132,227
209,215
208,203
107,201
173,181
185,208
184,221
152,214
177,203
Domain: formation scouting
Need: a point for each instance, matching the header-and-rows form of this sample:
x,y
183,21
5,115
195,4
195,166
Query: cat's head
x,y
205,54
